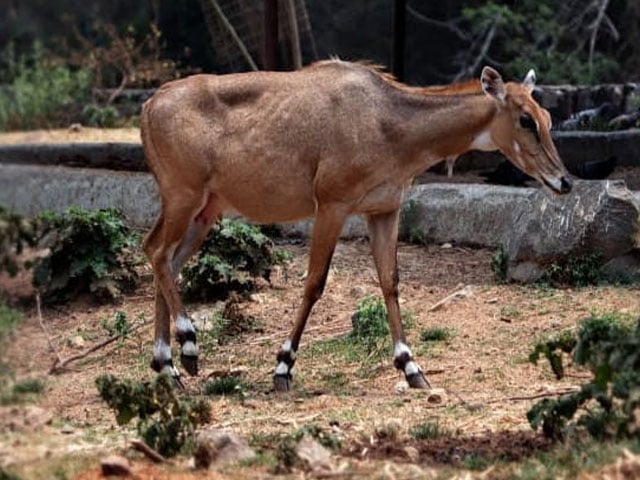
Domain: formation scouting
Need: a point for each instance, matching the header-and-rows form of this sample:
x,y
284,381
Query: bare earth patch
x,y
484,382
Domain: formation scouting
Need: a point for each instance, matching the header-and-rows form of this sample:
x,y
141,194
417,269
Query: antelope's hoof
x,y
417,380
281,382
190,364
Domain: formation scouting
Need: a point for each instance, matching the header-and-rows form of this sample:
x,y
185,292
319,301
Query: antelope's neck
x,y
442,126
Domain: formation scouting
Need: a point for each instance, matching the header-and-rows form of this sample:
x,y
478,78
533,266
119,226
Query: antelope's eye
x,y
527,122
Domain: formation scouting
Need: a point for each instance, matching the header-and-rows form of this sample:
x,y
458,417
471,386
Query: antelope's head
x,y
522,130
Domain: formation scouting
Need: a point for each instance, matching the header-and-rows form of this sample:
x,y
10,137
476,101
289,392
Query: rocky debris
x,y
591,118
25,419
597,217
219,446
115,465
313,455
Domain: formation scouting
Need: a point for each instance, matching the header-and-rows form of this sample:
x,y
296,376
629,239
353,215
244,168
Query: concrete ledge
x,y
575,148
114,156
461,213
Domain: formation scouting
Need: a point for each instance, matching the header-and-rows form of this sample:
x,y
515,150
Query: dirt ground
x,y
482,383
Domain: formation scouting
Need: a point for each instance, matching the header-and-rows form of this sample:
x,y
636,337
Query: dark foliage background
x,y
145,43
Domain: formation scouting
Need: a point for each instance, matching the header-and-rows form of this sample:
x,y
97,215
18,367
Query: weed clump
x,y
42,93
500,264
227,385
610,348
370,319
16,233
89,252
407,229
435,334
429,430
165,422
575,270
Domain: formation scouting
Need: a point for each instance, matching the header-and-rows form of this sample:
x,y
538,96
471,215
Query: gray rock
x,y
316,457
219,446
597,217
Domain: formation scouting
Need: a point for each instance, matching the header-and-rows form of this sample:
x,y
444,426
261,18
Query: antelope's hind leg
x,y
168,249
383,233
195,236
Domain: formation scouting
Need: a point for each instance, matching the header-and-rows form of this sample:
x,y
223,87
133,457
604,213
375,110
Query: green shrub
x,y
89,252
16,233
165,422
228,385
119,326
429,430
500,264
435,334
407,229
231,258
575,270
370,319
100,116
42,94
19,392
610,348
9,318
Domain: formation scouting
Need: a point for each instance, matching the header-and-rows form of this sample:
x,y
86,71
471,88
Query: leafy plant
x,y
370,319
42,93
89,252
16,233
435,334
409,216
9,318
166,422
552,350
228,385
231,258
99,116
119,326
500,264
12,392
610,348
575,270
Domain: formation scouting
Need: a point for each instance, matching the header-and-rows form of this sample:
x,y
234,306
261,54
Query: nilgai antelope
x,y
328,141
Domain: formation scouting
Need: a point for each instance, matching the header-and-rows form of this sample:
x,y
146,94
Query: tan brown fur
x,y
328,141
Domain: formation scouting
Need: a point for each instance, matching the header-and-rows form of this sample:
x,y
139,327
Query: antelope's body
x,y
330,140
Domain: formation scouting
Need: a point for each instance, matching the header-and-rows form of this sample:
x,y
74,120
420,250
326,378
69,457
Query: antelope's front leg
x,y
383,233
326,230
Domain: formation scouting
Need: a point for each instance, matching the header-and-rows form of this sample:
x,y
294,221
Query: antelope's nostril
x,y
565,184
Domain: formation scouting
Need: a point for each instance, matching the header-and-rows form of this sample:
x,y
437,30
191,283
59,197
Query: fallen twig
x,y
462,293
147,451
45,330
60,364
548,393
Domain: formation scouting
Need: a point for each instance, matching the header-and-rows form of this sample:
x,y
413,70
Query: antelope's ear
x,y
492,84
530,80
